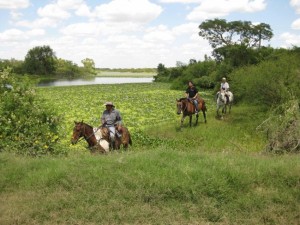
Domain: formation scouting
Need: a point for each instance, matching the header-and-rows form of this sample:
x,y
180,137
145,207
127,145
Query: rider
x,y
225,87
110,118
192,93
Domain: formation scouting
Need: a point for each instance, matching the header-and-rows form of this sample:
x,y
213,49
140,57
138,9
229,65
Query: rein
x,y
86,138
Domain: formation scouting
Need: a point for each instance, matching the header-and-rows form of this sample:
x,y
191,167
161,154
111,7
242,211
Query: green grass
x,y
214,173
159,186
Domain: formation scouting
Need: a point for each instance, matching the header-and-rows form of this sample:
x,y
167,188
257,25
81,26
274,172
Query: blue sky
x,y
134,33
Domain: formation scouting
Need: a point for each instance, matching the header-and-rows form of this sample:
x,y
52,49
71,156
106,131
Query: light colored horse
x,y
83,130
223,102
101,138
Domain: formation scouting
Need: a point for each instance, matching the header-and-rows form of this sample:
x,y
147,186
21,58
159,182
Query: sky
x,y
134,33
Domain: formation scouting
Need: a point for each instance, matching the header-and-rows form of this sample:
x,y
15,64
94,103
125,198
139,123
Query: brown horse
x,y
125,138
86,131
187,108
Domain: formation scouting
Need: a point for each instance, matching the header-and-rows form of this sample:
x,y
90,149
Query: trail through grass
x,y
214,173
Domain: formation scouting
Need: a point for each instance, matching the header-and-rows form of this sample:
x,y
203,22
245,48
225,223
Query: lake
x,y
96,80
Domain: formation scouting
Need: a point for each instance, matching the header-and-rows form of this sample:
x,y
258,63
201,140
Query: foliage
x,y
221,33
27,125
15,65
270,83
89,66
163,74
40,60
67,69
283,128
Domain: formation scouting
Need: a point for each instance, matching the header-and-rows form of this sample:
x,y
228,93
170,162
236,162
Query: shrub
x,y
283,128
27,125
270,83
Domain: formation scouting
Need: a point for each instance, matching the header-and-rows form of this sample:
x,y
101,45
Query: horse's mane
x,y
85,124
181,99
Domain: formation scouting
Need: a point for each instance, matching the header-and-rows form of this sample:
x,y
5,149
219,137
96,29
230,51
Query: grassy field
x,y
214,173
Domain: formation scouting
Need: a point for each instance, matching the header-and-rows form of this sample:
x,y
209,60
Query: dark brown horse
x,y
125,138
86,131
187,108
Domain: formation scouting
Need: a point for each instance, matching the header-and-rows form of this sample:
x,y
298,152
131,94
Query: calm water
x,y
96,80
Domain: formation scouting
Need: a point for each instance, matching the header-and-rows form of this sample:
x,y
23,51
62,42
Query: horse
x,y
124,139
223,102
187,108
93,136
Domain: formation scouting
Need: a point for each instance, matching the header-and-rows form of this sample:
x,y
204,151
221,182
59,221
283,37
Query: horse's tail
x,y
130,141
203,105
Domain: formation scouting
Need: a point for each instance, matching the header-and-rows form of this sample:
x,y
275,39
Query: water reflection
x,y
96,80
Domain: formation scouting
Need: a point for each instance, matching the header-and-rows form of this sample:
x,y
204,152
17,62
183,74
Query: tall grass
x,y
214,173
159,186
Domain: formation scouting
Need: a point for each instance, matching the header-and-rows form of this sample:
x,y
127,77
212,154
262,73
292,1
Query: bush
x,y
283,128
270,83
27,125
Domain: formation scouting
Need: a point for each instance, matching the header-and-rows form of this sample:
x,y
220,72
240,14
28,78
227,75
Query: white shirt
x,y
224,86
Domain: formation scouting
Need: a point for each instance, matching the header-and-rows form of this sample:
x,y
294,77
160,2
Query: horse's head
x,y
179,106
77,132
221,97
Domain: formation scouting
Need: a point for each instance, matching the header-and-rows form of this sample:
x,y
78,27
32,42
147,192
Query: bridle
x,y
82,135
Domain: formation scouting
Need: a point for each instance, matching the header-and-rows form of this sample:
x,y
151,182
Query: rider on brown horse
x,y
192,94
109,119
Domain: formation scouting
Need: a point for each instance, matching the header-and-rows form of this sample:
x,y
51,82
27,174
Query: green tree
x,y
66,68
28,126
40,60
89,65
236,42
220,33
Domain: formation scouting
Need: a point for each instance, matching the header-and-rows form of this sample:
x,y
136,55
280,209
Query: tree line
x,y
42,61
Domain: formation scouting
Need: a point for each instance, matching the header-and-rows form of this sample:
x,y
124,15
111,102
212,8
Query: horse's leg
x,y
204,115
182,119
190,120
197,116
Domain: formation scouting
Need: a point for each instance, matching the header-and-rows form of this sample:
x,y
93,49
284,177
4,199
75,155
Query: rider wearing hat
x,y
110,118
225,87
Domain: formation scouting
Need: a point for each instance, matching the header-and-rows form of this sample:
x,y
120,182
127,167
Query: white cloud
x,y
219,8
296,5
15,35
36,32
296,24
12,35
159,34
137,11
53,11
188,28
181,1
38,23
82,29
290,39
15,15
69,4
83,10
13,4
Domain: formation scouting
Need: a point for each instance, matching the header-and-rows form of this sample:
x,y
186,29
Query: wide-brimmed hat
x,y
109,103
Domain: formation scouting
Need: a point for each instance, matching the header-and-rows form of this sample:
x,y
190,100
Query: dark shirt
x,y
191,91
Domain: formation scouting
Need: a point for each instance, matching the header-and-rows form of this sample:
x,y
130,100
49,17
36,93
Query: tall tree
x,y
221,33
89,65
238,42
40,60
